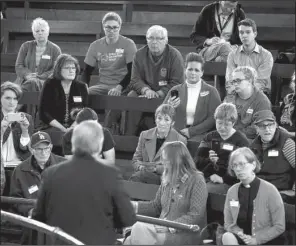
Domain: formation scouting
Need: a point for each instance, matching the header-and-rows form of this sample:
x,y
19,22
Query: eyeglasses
x,y
237,81
157,39
111,28
265,126
45,150
224,123
69,68
241,165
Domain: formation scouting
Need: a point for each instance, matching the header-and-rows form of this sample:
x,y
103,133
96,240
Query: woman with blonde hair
x,y
181,197
254,211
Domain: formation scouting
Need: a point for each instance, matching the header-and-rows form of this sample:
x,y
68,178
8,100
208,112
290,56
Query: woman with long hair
x,y
181,197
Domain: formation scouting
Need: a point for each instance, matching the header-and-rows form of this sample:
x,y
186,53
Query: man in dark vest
x,y
276,153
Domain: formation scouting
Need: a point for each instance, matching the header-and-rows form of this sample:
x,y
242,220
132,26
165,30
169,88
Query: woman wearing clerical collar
x,y
254,211
146,159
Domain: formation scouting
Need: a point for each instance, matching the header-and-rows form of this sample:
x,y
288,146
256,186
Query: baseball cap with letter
x,y
40,137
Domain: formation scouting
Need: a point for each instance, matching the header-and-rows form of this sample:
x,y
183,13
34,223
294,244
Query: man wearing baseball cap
x,y
276,152
26,177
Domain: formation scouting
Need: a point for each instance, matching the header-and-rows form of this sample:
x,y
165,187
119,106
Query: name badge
x,y
250,111
162,83
77,99
47,57
120,51
234,203
273,153
33,189
204,93
227,146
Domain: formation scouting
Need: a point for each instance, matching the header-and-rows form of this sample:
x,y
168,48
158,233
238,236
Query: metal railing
x,y
40,227
141,218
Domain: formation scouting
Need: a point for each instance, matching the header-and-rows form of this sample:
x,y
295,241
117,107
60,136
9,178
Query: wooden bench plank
x,y
140,191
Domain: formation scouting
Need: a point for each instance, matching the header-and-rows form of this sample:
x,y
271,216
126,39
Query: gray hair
x,y
39,22
87,138
249,72
159,29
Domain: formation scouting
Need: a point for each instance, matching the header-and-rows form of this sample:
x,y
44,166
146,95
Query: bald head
x,y
87,138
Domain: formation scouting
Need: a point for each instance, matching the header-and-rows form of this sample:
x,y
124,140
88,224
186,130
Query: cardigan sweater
x,y
206,27
26,60
186,205
268,220
52,104
207,102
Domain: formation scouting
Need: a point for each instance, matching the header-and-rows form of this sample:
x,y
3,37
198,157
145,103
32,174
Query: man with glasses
x,y
26,177
113,54
157,67
247,98
276,151
250,54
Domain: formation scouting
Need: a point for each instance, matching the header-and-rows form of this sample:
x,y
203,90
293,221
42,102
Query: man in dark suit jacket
x,y
82,196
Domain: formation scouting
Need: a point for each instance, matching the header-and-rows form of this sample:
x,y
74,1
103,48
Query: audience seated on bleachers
x,y
108,151
35,60
288,112
157,67
215,30
146,160
16,128
250,54
61,94
214,150
276,152
254,212
247,98
113,54
82,196
181,197
195,101
26,177
3,178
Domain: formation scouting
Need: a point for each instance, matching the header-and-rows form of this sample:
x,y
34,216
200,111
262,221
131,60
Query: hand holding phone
x,y
175,93
14,117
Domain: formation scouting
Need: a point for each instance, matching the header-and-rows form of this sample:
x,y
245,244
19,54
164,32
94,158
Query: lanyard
x,y
225,23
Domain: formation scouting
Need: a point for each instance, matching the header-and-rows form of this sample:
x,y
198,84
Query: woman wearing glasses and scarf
x,y
254,212
276,151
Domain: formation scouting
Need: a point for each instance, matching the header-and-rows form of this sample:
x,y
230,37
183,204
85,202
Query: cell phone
x,y
14,117
215,145
174,93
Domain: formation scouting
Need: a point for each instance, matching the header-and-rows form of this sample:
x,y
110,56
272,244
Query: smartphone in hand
x,y
14,117
175,93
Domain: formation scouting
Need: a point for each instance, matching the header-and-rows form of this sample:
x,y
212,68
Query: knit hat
x,y
263,115
86,114
40,137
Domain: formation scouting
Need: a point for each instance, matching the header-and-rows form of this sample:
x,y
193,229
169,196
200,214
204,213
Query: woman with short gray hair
x,y
35,60
254,211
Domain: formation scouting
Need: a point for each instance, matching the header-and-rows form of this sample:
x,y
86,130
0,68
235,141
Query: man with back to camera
x,y
26,177
82,196
250,53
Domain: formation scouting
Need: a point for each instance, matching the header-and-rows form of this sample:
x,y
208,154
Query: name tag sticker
x,y
204,93
273,153
47,57
119,51
162,83
234,203
227,146
250,111
33,189
77,99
